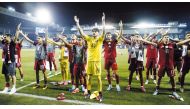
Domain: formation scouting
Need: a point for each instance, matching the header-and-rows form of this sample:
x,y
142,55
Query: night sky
x,y
91,12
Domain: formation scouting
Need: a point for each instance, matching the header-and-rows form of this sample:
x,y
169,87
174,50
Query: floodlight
x,y
144,25
109,27
11,9
43,16
150,25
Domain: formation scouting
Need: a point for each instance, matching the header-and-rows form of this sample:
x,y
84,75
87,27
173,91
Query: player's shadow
x,y
58,87
62,88
187,84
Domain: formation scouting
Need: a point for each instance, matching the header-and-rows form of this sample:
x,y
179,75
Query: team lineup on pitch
x,y
91,69
127,98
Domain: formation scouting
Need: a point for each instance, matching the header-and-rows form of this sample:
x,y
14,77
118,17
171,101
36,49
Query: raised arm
x,y
120,31
126,40
64,41
78,26
29,40
145,41
103,26
183,42
174,40
21,41
17,32
151,36
53,42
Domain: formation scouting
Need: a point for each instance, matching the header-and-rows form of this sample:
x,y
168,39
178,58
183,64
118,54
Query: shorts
x,y
110,63
64,65
94,68
9,69
186,66
162,70
135,65
71,67
50,57
40,65
78,68
129,59
151,63
178,64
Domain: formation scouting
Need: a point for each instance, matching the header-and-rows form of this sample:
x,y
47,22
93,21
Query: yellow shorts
x,y
64,65
94,68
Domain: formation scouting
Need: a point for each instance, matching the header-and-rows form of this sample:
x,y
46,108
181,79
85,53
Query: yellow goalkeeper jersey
x,y
94,48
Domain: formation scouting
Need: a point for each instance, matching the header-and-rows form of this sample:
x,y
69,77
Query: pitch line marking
x,y
51,98
54,99
34,82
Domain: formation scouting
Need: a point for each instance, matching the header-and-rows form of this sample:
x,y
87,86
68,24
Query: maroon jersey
x,y
71,53
166,53
110,48
18,50
9,51
151,51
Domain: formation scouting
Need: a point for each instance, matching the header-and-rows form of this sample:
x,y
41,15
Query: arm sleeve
x,y
101,38
87,38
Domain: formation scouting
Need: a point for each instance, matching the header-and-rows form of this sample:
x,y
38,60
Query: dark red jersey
x,y
18,50
71,52
110,48
166,53
152,51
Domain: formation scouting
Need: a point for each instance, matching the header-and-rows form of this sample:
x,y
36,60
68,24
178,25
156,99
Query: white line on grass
x,y
51,98
34,82
54,99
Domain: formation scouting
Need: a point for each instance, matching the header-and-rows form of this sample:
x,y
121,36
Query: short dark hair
x,y
95,30
108,33
165,35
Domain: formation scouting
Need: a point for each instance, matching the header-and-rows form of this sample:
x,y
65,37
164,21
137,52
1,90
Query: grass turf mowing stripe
x,y
35,82
54,99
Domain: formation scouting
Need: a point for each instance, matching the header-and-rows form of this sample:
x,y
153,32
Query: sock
x,y
14,86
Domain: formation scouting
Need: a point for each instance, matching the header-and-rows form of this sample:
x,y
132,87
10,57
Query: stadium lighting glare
x,y
150,25
43,16
52,23
28,14
144,25
109,27
11,9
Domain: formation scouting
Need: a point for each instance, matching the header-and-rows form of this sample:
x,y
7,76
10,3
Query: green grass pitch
x,y
135,97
